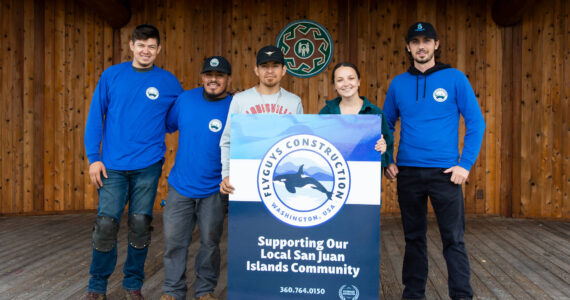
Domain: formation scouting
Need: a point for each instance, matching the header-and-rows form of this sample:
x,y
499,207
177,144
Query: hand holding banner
x,y
304,218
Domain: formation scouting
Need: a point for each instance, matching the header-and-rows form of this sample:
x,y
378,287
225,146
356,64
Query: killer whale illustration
x,y
299,180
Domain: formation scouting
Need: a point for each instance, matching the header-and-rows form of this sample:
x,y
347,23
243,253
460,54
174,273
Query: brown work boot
x,y
209,296
95,296
133,295
167,297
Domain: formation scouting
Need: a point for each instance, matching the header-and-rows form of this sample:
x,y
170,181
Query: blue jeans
x,y
414,187
138,189
180,216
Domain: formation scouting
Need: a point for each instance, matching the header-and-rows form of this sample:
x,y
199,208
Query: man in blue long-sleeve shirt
x,y
124,142
199,115
428,99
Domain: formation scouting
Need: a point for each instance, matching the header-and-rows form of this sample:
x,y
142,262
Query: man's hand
x,y
95,170
380,145
458,174
391,171
225,186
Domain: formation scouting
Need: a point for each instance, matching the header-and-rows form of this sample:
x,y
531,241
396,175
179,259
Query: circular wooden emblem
x,y
307,47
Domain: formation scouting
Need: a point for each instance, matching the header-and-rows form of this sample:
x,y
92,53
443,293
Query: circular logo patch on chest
x,y
307,47
152,93
440,95
215,125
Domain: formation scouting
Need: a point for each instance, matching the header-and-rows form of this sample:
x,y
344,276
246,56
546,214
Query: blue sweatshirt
x,y
428,105
197,170
128,115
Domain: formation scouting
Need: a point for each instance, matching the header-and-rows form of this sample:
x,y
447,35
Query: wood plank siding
x,y
53,52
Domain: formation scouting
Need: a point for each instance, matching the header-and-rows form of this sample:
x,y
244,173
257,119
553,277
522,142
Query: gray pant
x,y
180,216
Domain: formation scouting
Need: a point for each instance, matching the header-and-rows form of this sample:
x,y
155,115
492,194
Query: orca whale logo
x,y
303,180
293,181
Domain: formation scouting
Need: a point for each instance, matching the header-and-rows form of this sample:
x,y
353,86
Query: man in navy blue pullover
x,y
124,142
428,99
194,196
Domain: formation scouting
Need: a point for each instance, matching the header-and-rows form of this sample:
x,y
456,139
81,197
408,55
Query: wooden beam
x,y
39,103
115,12
506,186
116,46
516,134
509,12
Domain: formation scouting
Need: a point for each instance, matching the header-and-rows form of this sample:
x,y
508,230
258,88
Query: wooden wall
x,y
53,53
544,112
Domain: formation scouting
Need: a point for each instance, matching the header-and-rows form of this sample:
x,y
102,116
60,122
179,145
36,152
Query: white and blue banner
x,y
304,219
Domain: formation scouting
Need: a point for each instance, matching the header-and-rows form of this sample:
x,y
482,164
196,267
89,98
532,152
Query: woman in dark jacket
x,y
346,80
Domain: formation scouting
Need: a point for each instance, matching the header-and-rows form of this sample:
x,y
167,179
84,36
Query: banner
x,y
304,219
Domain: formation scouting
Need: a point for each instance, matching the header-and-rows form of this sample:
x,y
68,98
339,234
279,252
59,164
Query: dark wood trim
x,y
509,12
39,98
353,32
511,121
341,48
347,40
116,46
115,12
516,117
506,196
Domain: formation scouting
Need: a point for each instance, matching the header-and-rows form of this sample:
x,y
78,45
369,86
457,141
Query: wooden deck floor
x,y
47,257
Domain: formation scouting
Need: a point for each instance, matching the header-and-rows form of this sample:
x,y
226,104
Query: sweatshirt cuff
x,y
93,158
465,165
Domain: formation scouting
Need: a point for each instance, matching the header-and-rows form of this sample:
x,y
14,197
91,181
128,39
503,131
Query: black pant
x,y
414,186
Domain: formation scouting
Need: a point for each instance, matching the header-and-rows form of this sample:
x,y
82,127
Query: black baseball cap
x,y
421,29
217,63
270,53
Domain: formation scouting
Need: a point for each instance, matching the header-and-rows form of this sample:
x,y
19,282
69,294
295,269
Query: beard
x,y
427,59
271,83
215,96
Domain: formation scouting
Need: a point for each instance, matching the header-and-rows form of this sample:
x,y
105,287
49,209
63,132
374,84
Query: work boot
x,y
167,297
134,295
95,296
209,296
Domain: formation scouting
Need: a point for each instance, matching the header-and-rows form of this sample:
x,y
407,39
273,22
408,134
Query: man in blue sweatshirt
x,y
194,197
124,142
428,100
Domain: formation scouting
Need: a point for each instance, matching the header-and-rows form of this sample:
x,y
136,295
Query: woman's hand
x,y
381,145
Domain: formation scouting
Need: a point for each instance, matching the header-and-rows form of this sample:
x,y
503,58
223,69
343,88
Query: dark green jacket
x,y
332,108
